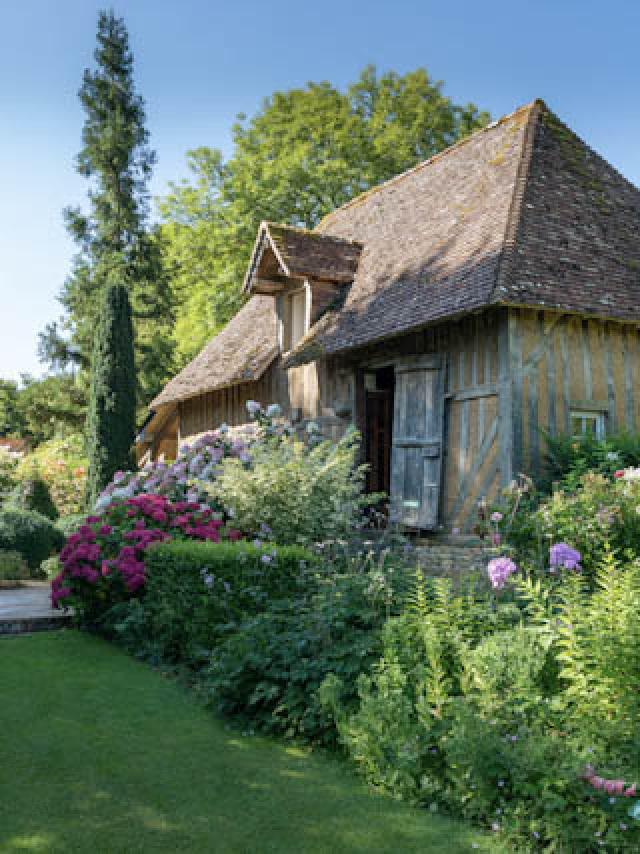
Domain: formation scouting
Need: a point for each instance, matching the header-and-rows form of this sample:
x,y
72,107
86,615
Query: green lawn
x,y
100,754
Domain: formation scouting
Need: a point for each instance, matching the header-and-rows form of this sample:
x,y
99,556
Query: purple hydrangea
x,y
499,569
564,557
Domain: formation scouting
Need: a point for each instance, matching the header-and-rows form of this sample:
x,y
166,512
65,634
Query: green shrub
x,y
13,566
32,493
568,458
8,466
30,534
71,523
50,567
196,592
528,726
62,464
268,673
295,494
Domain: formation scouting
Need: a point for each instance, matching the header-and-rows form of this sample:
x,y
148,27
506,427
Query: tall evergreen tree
x,y
115,243
111,411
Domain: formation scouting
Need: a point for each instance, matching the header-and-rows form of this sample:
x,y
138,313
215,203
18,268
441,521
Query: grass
x,y
100,754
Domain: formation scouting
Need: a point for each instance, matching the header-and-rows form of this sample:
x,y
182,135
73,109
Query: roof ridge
x,y
308,232
438,156
517,198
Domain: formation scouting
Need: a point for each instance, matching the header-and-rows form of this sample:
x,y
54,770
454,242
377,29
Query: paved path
x,y
28,609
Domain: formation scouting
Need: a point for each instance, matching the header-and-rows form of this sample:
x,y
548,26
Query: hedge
x,y
198,592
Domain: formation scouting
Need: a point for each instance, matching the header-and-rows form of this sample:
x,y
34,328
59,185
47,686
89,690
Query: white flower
x,y
253,407
312,427
274,410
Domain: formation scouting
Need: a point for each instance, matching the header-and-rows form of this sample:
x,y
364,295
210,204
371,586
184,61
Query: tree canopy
x,y
305,152
115,243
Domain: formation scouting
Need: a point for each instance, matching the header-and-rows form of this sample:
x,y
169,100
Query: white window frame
x,y
286,319
598,417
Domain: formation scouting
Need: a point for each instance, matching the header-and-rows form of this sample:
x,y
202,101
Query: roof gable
x,y
281,252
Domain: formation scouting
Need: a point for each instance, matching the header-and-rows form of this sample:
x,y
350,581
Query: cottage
x,y
453,313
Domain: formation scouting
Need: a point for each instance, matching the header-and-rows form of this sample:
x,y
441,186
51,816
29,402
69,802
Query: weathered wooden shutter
x,y
416,463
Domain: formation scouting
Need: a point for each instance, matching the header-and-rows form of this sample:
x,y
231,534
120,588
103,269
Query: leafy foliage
x,y
62,465
215,585
51,407
114,241
304,153
501,713
30,534
103,561
8,466
569,458
11,421
32,493
13,567
269,672
111,413
294,493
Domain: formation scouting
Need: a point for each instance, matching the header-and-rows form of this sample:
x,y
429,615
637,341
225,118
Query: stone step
x,y
28,625
451,560
27,608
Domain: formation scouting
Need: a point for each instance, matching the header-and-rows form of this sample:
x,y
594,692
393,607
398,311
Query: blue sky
x,y
200,62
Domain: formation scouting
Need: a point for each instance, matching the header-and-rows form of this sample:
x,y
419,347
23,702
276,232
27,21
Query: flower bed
x,y
103,562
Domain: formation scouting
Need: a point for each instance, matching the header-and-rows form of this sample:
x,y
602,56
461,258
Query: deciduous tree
x,y
305,152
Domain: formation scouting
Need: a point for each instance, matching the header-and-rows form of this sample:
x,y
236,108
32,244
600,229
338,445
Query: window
x,y
588,423
295,318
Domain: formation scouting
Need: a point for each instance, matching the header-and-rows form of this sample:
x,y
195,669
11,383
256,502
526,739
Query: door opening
x,y
379,404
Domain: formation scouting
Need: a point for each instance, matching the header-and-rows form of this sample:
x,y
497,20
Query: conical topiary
x,y
112,404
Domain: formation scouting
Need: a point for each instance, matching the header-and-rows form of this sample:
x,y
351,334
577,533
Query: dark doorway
x,y
379,428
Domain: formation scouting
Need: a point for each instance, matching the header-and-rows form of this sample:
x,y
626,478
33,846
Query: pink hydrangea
x,y
95,559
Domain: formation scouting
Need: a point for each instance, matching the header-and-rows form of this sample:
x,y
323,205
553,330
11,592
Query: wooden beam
x,y
267,286
488,390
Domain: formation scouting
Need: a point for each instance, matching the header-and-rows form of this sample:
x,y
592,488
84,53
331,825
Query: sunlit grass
x,y
100,754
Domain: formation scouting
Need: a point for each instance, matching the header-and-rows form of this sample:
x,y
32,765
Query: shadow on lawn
x,y
102,755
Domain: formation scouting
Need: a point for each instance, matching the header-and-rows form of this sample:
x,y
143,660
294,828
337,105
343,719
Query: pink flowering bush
x,y
103,562
571,529
181,480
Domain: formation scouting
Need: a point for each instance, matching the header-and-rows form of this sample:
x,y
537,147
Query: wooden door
x,y
416,463
378,440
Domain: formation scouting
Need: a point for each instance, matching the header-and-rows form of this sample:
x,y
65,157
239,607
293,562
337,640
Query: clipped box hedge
x,y
198,592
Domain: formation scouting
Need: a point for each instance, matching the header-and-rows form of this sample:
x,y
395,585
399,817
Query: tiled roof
x,y
240,353
302,253
521,212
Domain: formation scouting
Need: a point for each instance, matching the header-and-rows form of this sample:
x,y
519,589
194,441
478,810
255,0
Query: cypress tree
x,y
111,412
